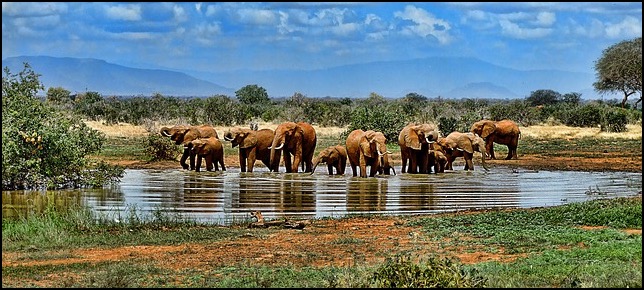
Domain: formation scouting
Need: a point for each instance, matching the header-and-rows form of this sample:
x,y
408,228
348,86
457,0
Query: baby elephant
x,y
333,156
210,149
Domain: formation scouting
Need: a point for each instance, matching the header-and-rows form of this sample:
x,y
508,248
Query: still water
x,y
226,197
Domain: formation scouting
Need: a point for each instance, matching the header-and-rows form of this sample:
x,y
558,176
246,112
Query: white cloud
x,y
179,14
258,16
545,19
26,9
425,24
198,7
629,27
206,33
513,30
124,12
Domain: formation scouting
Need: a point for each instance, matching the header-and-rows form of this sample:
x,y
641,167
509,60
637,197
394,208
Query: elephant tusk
x,y
380,154
428,141
459,149
228,139
278,147
164,133
388,152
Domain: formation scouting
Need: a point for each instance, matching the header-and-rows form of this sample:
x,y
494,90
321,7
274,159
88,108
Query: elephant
x,y
253,145
181,134
386,166
366,148
437,160
334,157
458,144
414,141
504,132
296,139
210,149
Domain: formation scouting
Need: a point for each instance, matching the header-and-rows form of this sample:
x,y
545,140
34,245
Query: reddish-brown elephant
x,y
297,140
210,149
334,157
183,135
253,145
414,141
458,144
366,148
504,132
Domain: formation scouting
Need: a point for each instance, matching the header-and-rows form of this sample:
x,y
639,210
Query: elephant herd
x,y
422,148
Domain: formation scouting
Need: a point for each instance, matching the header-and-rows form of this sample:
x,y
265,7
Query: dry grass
x,y
537,131
560,131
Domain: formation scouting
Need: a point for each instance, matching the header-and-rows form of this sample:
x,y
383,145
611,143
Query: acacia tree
x,y
619,69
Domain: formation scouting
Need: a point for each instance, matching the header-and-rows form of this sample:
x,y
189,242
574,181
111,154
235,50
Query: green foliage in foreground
x,y
43,146
558,253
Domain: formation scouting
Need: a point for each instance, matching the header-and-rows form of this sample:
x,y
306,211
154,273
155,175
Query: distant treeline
x,y
252,104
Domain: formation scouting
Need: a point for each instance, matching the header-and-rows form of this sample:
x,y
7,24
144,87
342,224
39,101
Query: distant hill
x,y
448,77
86,74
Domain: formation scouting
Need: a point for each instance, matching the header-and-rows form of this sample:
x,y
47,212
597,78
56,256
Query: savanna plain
x,y
591,244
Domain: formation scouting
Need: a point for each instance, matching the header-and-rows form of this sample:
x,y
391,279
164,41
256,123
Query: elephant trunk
x,y
483,152
276,140
316,161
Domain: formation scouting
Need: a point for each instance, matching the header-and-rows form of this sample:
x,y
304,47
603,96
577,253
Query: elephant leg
x,y
329,167
198,168
251,158
209,164
469,165
221,162
287,162
363,167
192,160
413,163
184,157
242,161
403,157
296,162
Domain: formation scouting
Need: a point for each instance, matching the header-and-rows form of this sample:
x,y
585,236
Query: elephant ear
x,y
250,140
465,143
411,138
488,128
365,147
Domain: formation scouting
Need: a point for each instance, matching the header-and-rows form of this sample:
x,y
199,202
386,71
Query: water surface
x,y
226,197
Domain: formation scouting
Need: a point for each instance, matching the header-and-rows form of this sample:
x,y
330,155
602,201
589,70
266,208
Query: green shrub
x,y
161,148
42,146
614,120
401,272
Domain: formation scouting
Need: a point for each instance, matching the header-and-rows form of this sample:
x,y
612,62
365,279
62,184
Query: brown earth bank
x,y
606,162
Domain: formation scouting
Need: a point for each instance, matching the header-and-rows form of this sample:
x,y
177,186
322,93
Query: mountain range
x,y
448,77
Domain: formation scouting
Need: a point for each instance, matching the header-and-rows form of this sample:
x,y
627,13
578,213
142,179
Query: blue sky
x,y
226,36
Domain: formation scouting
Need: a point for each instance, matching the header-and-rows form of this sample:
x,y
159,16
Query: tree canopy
x,y
619,69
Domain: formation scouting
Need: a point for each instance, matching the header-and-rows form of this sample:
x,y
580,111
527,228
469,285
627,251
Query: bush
x,y
43,147
400,272
161,148
614,120
377,118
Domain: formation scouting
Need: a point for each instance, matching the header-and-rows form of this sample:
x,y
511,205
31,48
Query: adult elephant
x,y
366,148
210,149
504,132
458,144
334,157
296,139
414,141
183,135
253,145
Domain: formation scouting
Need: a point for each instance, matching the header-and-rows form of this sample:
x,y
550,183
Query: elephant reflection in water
x,y
199,191
367,194
417,195
296,194
254,191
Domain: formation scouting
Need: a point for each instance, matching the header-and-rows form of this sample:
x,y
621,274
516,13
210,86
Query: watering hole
x,y
228,197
